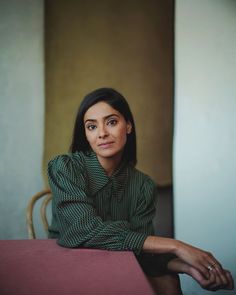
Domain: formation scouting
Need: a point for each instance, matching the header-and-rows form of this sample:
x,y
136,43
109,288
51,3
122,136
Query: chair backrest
x,y
47,196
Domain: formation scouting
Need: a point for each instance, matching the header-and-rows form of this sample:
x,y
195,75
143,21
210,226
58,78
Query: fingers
x,y
224,279
215,279
212,262
211,275
230,285
207,263
222,276
219,280
204,271
212,283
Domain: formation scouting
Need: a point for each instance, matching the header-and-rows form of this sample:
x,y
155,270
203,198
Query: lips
x,y
106,144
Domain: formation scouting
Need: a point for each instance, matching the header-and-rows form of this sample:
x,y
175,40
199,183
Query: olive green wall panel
x,y
127,45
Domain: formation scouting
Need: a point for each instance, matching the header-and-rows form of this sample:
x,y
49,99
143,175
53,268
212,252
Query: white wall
x,y
21,111
205,130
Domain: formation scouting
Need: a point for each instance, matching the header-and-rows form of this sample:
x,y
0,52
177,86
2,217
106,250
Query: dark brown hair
x,y
117,101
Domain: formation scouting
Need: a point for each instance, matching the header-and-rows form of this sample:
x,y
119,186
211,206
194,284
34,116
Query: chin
x,y
108,154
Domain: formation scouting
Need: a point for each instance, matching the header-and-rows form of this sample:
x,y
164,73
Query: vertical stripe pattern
x,y
92,210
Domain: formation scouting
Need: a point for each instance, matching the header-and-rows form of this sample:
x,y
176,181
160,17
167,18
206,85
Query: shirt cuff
x,y
134,241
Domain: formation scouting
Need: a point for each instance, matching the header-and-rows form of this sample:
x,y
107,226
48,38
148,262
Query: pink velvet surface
x,y
42,267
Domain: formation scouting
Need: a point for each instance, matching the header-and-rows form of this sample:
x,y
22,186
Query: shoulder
x,y
67,163
140,178
65,159
142,186
67,176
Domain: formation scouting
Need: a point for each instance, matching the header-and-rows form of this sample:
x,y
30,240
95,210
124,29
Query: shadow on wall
x,y
163,221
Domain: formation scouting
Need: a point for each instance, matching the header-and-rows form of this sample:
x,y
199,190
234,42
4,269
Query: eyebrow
x,y
106,117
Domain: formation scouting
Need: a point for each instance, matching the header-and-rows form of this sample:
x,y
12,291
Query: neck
x,y
110,164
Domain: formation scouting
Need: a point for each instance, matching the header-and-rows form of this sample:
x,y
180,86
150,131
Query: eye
x,y
91,127
112,122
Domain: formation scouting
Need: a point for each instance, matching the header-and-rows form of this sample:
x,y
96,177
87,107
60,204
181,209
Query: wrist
x,y
177,245
160,245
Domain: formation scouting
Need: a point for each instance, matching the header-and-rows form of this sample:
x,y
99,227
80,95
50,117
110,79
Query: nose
x,y
102,132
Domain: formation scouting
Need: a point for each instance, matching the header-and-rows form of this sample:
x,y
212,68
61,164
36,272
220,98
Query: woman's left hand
x,y
201,260
216,280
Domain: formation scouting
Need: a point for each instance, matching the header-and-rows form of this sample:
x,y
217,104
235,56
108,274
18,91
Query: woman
x,y
100,200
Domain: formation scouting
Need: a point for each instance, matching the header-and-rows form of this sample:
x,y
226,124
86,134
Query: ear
x,y
128,127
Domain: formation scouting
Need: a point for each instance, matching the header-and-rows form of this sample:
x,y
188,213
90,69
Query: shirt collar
x,y
99,179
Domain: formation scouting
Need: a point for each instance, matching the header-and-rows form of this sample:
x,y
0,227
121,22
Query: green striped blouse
x,y
93,210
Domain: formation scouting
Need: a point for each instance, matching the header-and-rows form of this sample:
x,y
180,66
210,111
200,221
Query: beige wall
x,y
127,45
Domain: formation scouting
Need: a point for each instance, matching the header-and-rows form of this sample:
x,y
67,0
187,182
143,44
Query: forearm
x,y
160,245
96,233
177,265
190,255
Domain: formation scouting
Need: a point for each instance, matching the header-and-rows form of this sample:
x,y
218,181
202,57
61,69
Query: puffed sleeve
x,y
77,219
142,218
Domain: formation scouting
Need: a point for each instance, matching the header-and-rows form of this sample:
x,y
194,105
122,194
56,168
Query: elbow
x,y
70,241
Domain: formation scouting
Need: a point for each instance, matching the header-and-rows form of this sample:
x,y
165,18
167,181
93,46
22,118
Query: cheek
x,y
123,135
89,137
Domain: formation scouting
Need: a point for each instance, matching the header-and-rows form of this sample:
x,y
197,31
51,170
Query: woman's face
x,y
106,130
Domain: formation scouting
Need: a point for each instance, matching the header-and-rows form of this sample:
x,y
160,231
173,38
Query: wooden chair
x,y
47,196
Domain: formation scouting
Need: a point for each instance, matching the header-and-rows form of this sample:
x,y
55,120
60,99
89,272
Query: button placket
x,y
108,201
